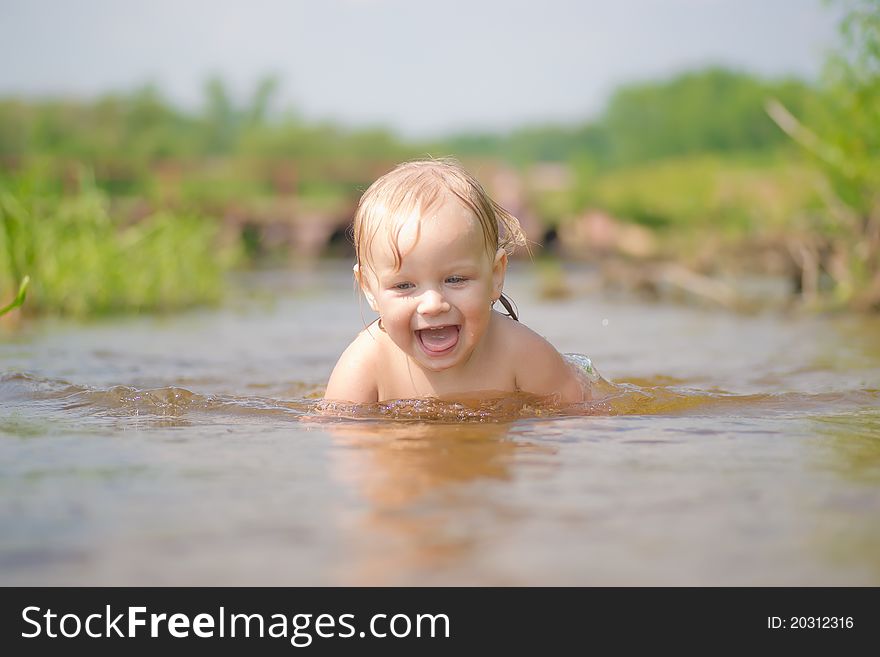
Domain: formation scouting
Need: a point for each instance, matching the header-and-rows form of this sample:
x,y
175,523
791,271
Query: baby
x,y
432,252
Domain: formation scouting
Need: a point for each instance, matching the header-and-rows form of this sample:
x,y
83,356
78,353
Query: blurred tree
x,y
220,119
258,111
709,111
14,124
842,132
224,123
715,110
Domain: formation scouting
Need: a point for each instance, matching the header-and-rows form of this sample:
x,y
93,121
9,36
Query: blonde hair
x,y
419,186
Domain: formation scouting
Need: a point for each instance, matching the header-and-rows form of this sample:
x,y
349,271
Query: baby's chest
x,y
409,382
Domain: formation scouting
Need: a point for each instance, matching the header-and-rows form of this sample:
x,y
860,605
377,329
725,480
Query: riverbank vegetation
x,y
84,259
127,202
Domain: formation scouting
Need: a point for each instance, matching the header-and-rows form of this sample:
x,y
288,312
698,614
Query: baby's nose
x,y
432,303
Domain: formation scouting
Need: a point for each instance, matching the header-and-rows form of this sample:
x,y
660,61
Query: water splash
x,y
489,407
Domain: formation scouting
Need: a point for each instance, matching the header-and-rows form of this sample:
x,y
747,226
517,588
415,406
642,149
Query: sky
x,y
420,67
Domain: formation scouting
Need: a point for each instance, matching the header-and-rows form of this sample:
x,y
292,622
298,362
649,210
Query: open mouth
x,y
439,340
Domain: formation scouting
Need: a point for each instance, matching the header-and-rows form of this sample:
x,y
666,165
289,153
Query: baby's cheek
x,y
401,323
394,321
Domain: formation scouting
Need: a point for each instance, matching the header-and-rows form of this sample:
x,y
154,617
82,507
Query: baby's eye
x,y
402,286
453,280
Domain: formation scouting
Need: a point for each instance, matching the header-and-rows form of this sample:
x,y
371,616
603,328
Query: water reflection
x,y
853,445
416,487
851,451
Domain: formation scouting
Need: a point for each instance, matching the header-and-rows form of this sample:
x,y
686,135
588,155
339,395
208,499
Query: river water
x,y
730,450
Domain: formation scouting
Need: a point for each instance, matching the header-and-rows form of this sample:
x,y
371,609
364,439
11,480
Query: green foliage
x,y
708,111
547,143
82,261
125,138
733,197
715,111
143,128
849,118
842,135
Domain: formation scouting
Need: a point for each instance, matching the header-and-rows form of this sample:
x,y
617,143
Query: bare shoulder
x,y
540,368
354,377
521,342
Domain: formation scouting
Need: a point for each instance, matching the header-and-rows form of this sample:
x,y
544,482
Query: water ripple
x,y
609,399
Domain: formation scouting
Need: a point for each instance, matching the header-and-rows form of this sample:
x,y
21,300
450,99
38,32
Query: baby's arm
x,y
354,377
541,370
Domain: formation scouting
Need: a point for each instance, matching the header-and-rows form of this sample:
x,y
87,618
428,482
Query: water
x,y
732,450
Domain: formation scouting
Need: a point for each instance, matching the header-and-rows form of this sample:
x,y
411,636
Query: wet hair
x,y
420,186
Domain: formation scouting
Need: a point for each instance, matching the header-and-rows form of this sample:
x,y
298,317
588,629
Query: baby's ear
x,y
499,268
370,299
364,288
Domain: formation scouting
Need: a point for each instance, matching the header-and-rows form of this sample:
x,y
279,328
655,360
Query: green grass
x,y
19,298
83,261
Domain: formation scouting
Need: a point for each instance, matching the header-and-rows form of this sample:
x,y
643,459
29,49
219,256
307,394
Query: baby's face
x,y
436,307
